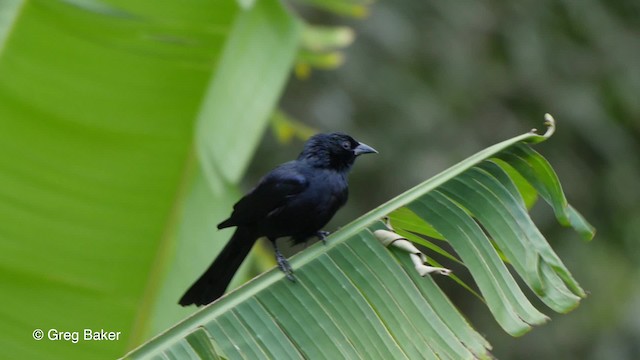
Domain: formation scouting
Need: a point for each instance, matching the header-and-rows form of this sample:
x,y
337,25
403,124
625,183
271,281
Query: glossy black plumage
x,y
296,199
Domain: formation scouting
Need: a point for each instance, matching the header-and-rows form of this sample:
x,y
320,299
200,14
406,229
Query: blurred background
x,y
428,83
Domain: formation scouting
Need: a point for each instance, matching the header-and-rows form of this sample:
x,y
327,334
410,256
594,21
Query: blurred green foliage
x,y
429,82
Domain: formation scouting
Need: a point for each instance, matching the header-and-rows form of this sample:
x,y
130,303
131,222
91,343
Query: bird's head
x,y
334,151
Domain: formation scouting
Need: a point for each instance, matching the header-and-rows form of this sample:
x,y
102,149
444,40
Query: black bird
x,y
295,199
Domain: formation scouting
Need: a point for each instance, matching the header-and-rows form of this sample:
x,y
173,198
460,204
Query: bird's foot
x,y
284,265
322,235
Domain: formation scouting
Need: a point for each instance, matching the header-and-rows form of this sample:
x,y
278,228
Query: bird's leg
x,y
322,235
283,264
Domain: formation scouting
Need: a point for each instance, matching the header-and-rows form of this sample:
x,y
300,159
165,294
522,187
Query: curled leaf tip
x,y
550,123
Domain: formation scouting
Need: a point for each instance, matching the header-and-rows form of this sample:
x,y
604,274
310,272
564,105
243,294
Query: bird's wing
x,y
271,193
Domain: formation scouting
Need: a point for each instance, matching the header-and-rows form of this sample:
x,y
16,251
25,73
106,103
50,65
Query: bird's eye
x,y
346,145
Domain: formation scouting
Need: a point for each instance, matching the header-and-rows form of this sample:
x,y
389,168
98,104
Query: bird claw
x,y
284,265
322,235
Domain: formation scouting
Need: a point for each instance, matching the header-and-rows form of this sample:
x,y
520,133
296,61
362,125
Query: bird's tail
x,y
212,284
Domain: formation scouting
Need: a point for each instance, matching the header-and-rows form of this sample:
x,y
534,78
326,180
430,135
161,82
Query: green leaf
x,y
259,51
442,305
199,341
525,191
408,220
508,223
103,219
326,38
537,170
506,301
356,299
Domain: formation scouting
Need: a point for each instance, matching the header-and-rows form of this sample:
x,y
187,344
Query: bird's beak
x,y
364,149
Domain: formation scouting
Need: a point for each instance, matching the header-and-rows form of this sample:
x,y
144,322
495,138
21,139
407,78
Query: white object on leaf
x,y
419,259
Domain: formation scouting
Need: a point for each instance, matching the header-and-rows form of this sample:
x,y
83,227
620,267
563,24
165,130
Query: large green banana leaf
x,y
356,299
99,104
